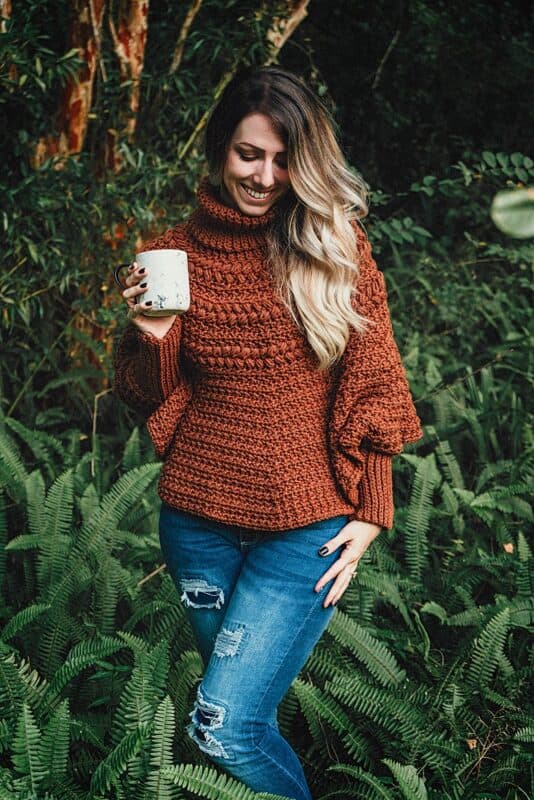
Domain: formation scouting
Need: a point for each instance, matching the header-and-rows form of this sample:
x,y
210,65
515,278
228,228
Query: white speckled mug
x,y
168,281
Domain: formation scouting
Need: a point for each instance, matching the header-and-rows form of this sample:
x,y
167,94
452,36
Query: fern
x,y
375,655
111,768
143,691
161,750
43,445
23,618
54,746
209,784
114,506
3,537
409,782
417,522
488,649
55,538
81,656
315,704
26,749
379,791
131,457
13,474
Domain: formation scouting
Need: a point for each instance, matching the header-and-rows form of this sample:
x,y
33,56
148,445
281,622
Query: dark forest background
x,y
419,688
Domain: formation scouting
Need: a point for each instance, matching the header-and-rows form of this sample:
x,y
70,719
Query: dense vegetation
x,y
420,686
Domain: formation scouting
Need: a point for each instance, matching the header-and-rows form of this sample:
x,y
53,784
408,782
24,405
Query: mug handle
x,y
116,275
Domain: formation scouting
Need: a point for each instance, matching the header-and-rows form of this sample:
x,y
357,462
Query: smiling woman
x,y
255,172
276,402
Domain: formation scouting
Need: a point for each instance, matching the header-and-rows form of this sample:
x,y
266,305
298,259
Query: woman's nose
x,y
265,174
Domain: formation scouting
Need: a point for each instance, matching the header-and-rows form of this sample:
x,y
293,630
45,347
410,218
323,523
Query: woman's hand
x,y
357,536
137,283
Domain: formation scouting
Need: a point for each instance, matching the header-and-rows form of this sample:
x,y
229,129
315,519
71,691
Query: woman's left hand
x,y
356,536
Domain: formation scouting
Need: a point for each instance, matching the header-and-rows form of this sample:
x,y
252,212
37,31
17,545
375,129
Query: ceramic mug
x,y
168,281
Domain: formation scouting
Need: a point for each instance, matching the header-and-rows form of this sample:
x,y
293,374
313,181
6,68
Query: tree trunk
x,y
129,41
77,97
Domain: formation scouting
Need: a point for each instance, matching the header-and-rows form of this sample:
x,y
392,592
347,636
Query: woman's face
x,y
255,173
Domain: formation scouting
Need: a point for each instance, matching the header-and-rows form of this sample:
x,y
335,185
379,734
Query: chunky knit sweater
x,y
250,432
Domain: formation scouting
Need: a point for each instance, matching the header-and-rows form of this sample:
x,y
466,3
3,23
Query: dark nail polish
x,y
142,271
148,303
143,285
323,550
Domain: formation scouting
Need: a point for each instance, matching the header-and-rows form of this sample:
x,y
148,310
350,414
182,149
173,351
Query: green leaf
x,y
513,212
409,782
26,755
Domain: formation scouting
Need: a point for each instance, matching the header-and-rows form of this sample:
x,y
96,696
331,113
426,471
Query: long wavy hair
x,y
312,247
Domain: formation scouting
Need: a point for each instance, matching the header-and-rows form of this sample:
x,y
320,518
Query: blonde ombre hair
x,y
313,249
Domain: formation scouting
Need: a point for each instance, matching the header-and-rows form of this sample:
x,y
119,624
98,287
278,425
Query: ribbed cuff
x,y
158,362
375,491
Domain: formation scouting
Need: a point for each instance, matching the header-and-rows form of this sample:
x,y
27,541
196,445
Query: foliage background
x,y
420,688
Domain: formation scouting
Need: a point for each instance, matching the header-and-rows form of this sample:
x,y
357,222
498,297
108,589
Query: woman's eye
x,y
245,157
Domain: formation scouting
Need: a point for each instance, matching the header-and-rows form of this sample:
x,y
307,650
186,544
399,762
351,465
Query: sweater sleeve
x,y
373,414
148,375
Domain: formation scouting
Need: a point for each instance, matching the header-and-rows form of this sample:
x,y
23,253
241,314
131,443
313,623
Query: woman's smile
x,y
255,173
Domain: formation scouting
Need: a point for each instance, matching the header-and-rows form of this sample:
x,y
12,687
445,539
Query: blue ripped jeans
x,y
256,618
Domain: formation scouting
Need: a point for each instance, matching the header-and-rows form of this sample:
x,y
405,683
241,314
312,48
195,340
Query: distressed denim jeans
x,y
250,600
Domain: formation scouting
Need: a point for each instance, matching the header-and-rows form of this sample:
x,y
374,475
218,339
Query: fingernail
x,y
131,267
142,270
148,303
143,285
323,550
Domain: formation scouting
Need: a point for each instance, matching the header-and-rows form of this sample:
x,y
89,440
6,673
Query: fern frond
x,y
111,768
417,521
55,538
449,464
43,445
382,706
89,501
489,647
26,541
26,755
525,734
3,536
161,750
143,691
131,456
126,492
13,474
35,498
23,618
188,672
57,629
315,704
373,654
83,655
208,783
379,790
54,749
411,785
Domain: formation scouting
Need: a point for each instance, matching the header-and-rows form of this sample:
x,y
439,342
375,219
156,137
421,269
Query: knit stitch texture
x,y
250,432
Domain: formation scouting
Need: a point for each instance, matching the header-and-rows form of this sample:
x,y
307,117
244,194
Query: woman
x,y
276,402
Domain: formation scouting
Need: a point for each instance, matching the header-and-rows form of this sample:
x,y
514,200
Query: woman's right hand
x,y
137,283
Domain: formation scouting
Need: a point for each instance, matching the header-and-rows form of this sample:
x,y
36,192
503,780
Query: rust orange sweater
x,y
250,432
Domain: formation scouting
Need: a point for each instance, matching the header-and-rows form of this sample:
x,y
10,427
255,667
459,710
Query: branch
x,y
283,27
385,57
184,31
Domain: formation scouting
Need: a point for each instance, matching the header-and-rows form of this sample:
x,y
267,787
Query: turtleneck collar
x,y
221,227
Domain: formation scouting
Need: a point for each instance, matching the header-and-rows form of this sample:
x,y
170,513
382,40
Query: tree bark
x,y
129,42
180,44
77,97
284,24
5,13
